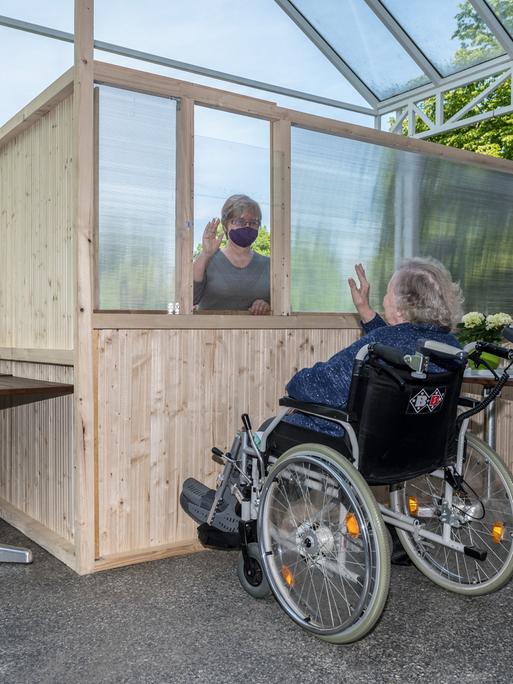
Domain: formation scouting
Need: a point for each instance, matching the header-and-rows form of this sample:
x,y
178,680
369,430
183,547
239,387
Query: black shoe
x,y
216,539
398,555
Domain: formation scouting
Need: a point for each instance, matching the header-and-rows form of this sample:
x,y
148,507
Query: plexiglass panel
x,y
358,202
449,32
365,44
137,136
231,156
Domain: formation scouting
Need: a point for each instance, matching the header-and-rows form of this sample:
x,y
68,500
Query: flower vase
x,y
492,360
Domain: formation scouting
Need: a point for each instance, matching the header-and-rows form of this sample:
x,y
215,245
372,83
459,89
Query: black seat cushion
x,y
287,435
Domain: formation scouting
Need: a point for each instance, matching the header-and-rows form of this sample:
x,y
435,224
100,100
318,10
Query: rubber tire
x,y
335,459
426,568
261,590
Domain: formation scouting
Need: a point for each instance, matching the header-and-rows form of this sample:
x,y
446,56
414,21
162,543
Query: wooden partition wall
x,y
36,316
96,479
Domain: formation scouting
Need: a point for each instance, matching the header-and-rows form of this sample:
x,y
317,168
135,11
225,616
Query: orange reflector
x,y
352,527
413,505
497,532
287,575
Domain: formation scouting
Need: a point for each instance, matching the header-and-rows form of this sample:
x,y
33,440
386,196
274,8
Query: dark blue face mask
x,y
243,237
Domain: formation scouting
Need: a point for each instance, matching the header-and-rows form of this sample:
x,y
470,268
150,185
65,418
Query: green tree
x,y
493,136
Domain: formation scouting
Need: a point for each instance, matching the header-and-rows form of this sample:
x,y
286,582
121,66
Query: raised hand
x,y
360,294
211,241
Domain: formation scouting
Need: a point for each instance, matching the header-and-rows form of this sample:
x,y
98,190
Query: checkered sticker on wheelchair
x,y
425,402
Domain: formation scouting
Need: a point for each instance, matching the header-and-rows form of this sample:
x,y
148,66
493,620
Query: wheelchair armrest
x,y
468,402
317,409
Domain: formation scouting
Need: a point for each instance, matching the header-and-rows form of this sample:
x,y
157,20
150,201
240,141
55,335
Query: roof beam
x,y
405,41
184,66
328,51
493,23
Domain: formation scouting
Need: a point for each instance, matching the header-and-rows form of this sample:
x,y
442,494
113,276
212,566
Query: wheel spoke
x,y
487,498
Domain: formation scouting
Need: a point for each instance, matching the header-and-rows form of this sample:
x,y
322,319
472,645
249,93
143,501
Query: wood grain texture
x,y
36,453
165,397
36,259
83,225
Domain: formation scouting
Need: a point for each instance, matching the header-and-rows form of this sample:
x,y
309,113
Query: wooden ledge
x,y
15,391
221,321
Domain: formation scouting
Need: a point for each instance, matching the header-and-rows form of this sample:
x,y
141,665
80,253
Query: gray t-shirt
x,y
226,286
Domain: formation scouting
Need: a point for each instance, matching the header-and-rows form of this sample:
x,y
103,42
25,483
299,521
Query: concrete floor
x,y
188,620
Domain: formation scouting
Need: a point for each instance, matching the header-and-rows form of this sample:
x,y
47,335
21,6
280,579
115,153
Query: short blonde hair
x,y
426,293
235,206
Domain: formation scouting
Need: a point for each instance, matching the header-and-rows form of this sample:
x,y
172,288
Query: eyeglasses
x,y
242,223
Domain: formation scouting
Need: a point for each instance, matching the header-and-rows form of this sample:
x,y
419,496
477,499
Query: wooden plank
x,y
17,391
150,554
62,357
38,107
36,469
127,321
280,218
36,308
184,205
83,155
154,84
58,546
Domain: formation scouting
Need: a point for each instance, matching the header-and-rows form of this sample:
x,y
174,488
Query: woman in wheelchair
x,y
385,410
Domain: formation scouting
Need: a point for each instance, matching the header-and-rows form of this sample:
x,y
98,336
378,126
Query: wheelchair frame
x,y
326,472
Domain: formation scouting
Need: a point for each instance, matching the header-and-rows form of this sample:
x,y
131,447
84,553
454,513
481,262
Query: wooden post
x,y
184,204
83,163
280,217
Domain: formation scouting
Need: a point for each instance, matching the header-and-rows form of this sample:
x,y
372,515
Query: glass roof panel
x,y
365,44
449,32
256,40
503,9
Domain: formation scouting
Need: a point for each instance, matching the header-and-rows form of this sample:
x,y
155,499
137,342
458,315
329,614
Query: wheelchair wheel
x,y
481,516
253,582
323,544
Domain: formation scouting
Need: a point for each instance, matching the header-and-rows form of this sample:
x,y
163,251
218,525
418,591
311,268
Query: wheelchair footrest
x,y
476,553
196,499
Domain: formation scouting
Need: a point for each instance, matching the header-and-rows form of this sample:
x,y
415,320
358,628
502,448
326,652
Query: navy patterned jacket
x,y
328,382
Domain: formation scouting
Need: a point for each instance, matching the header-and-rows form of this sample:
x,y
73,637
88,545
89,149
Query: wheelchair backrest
x,y
405,425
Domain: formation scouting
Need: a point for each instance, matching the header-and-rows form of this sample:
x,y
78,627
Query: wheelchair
x,y
311,531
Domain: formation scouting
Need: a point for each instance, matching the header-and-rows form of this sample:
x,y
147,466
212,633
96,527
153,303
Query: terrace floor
x,y
188,620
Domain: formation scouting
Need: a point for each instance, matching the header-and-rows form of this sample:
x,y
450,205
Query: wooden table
x,y
16,391
485,379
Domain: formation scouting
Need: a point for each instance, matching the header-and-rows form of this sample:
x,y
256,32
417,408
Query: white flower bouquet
x,y
477,327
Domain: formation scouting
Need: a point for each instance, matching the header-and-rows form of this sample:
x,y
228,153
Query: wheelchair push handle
x,y
388,354
495,349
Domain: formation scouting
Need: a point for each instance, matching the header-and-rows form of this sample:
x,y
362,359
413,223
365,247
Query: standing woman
x,y
235,277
